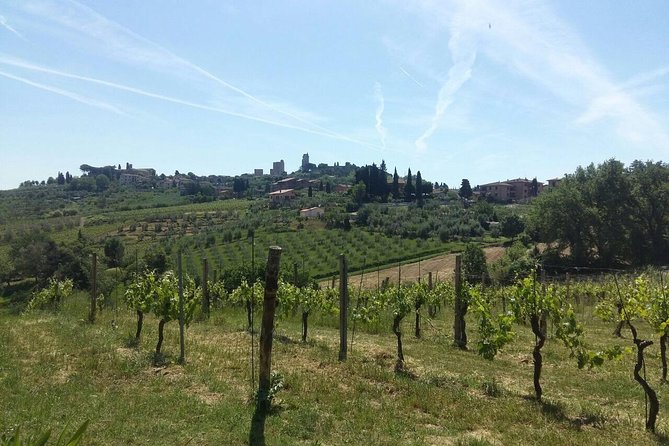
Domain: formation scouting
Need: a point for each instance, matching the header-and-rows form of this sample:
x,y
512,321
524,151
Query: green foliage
x,y
399,300
515,263
159,294
15,439
494,331
512,225
607,214
465,189
245,293
156,259
443,293
34,255
474,267
307,299
543,302
114,251
140,293
166,292
52,295
415,222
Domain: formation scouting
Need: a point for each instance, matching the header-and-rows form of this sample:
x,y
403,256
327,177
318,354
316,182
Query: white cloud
x,y
114,40
531,41
378,116
463,54
29,66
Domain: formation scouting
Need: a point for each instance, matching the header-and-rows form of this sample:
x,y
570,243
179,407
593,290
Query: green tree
x,y
101,183
465,189
6,270
591,213
474,267
512,226
156,259
408,187
34,255
650,212
419,189
114,251
395,190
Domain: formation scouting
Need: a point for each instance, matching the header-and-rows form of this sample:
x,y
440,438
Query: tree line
x,y
606,215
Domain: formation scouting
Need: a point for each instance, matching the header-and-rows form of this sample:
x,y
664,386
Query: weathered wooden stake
x,y
205,288
267,328
94,288
343,306
431,309
182,339
459,333
257,433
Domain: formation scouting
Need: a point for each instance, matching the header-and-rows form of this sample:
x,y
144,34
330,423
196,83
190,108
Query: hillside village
x,y
278,185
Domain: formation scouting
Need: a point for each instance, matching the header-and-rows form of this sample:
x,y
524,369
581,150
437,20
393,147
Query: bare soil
x,y
441,267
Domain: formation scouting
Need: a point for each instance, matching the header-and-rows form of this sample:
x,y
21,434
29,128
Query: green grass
x,y
56,368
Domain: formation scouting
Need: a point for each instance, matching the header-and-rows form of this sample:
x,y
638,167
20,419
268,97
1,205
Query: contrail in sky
x,y
406,73
134,48
4,24
463,59
69,94
29,66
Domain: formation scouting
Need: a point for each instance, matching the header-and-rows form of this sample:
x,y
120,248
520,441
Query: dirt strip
x,y
442,268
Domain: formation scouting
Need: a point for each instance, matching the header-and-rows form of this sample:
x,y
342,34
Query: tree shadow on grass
x,y
405,373
285,339
132,342
257,433
262,411
661,438
556,411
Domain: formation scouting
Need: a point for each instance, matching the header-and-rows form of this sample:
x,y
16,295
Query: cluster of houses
x,y
518,190
515,190
135,176
286,188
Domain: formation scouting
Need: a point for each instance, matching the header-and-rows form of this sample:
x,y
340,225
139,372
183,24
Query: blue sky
x,y
484,90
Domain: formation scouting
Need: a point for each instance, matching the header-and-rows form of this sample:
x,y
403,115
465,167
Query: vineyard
x,y
549,358
315,252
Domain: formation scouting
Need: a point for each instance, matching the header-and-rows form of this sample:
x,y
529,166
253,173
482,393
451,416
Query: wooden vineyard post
x,y
205,288
417,306
431,309
459,333
257,433
343,306
94,288
267,328
182,341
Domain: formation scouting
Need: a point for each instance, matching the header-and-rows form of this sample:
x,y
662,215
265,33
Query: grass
x,y
56,368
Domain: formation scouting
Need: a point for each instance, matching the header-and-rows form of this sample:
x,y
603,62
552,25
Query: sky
x,y
476,89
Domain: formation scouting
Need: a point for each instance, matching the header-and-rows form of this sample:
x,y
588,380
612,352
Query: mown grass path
x,y
56,368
